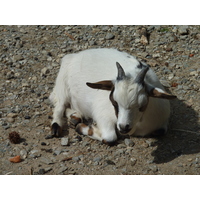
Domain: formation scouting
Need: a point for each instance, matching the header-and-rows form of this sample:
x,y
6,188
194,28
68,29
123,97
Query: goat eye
x,y
114,103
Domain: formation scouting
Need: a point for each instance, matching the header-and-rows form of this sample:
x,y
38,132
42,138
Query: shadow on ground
x,y
183,136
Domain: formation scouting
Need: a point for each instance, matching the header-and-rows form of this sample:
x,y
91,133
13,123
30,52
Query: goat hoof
x,y
56,130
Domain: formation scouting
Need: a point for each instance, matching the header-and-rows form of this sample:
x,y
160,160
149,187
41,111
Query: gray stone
x,y
47,169
156,55
150,142
133,161
46,160
64,141
23,153
194,73
109,36
137,40
198,36
91,43
97,159
105,28
171,64
165,83
57,152
129,142
171,39
44,71
124,170
49,59
121,146
85,143
119,152
10,75
171,76
41,171
150,161
96,163
17,58
11,120
197,165
183,30
76,158
35,153
157,27
154,168
62,169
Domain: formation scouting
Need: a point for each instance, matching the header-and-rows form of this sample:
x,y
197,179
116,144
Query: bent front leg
x,y
105,135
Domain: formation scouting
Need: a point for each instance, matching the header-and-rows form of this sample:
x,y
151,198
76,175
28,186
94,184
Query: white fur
x,y
95,65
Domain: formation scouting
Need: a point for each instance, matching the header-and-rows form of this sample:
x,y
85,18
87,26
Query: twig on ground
x,y
182,130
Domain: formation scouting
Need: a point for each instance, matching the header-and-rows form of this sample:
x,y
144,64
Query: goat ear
x,y
102,85
158,93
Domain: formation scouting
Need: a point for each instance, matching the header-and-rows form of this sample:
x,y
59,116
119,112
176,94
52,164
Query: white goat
x,y
124,101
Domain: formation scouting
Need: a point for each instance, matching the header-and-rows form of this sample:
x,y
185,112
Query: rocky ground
x,y
29,63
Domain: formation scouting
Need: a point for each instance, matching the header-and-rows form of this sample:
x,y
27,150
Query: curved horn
x,y
121,74
140,77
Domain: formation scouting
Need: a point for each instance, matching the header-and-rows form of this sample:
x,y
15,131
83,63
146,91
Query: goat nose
x,y
124,128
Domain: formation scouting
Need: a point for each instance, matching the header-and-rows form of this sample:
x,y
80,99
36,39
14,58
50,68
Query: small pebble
x,y
57,152
46,160
97,159
64,141
154,168
133,161
27,117
11,120
62,169
41,171
109,36
47,169
45,70
129,142
156,55
183,30
49,137
23,153
110,162
171,76
76,159
35,153
12,115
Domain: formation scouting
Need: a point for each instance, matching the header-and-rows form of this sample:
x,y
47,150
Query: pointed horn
x,y
121,74
140,77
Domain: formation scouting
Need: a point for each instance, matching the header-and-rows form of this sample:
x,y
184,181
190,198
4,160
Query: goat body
x,y
98,66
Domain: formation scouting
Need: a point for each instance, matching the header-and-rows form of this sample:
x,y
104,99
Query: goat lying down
x,y
115,90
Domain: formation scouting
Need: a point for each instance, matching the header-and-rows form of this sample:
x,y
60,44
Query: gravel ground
x,y
29,63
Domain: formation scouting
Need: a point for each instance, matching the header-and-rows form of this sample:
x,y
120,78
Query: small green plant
x,y
164,30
